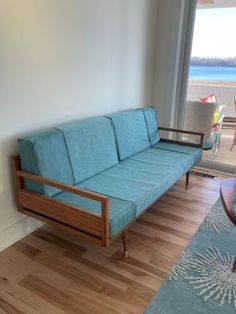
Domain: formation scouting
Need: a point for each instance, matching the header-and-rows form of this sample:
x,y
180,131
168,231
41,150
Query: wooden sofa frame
x,y
74,219
227,192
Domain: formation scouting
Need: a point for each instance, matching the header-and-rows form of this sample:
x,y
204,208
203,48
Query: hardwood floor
x,y
224,154
50,271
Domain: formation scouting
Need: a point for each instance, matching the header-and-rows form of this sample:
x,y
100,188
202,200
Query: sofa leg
x,y
187,179
125,239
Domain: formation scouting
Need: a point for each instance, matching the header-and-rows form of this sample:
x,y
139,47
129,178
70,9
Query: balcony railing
x,y
225,93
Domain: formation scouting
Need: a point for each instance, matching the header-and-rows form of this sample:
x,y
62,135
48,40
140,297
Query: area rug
x,y
203,278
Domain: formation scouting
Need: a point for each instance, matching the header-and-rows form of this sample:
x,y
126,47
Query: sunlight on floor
x,y
224,155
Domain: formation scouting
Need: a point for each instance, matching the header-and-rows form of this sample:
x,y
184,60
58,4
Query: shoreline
x,y
212,83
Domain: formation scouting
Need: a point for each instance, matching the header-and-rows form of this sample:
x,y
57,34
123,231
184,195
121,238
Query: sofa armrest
x,y
45,207
63,186
200,134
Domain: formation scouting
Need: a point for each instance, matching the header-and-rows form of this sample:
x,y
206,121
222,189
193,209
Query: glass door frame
x,y
181,86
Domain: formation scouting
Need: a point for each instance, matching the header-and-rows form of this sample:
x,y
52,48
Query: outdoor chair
x,y
199,117
234,139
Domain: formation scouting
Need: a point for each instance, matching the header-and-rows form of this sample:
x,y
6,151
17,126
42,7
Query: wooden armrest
x,y
69,188
60,213
227,192
201,134
63,186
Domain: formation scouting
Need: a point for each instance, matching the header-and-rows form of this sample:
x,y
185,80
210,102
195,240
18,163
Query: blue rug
x,y
202,280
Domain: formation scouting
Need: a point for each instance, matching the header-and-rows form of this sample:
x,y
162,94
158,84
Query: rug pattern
x,y
202,279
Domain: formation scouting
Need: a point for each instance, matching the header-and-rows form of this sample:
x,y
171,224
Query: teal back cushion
x,y
152,126
45,154
131,132
91,146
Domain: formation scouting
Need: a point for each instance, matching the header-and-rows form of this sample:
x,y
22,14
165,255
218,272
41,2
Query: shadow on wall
x,y
6,184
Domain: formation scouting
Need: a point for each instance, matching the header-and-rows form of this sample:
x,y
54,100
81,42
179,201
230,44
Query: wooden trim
x,y
180,142
62,226
181,131
105,217
201,134
17,181
227,191
50,209
62,186
62,212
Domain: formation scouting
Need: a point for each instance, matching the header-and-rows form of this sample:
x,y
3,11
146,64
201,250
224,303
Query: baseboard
x,y
17,231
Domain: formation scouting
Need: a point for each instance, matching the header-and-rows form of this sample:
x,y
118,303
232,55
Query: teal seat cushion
x,y
131,132
45,154
184,149
142,178
151,122
120,212
91,146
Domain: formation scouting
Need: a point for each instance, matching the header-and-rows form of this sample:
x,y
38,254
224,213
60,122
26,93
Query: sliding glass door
x,y
210,95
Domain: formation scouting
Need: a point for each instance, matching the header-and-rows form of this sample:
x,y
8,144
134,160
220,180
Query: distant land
x,y
228,62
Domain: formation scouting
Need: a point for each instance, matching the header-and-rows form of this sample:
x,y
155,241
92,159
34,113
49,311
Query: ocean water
x,y
212,73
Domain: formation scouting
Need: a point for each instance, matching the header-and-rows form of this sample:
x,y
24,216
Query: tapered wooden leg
x,y
125,239
234,266
187,179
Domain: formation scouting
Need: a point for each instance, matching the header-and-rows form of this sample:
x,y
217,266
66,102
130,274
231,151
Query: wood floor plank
x,y
7,308
18,265
58,241
174,204
89,246
25,300
52,294
144,268
186,227
73,268
179,215
158,234
50,271
99,302
26,249
43,245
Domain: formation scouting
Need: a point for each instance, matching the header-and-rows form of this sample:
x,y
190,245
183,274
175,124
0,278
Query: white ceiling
x,y
204,4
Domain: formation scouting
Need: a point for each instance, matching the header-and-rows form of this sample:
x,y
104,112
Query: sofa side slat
x,y
62,212
61,225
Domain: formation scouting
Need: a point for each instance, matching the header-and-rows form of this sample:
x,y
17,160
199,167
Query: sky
x,y
214,33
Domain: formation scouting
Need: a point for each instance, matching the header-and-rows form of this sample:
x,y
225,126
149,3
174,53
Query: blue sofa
x,y
95,177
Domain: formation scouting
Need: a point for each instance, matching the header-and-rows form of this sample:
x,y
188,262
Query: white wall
x,y
62,60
